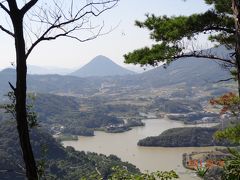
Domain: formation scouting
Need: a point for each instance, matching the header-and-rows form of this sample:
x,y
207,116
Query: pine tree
x,y
221,22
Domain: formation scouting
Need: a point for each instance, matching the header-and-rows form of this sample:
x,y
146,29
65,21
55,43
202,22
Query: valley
x,y
96,110
124,145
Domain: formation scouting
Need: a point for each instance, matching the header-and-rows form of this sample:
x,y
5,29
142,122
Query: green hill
x,y
60,163
183,137
55,111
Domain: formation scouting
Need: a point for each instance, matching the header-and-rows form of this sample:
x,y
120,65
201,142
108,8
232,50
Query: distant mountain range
x,y
47,70
38,70
191,71
101,66
188,71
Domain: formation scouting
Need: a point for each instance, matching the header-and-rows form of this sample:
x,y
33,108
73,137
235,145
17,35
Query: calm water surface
x,y
124,145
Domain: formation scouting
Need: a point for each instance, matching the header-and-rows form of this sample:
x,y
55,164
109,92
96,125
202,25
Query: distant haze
x,y
188,71
48,70
125,37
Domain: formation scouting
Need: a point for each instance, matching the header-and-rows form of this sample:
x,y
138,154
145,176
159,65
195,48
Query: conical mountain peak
x,y
101,66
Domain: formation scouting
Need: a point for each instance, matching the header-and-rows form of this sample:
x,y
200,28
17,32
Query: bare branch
x,y
4,8
225,80
61,21
200,55
12,6
12,87
7,31
42,38
28,6
217,28
94,4
87,39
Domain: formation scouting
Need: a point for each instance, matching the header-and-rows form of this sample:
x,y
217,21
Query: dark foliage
x,y
60,163
183,137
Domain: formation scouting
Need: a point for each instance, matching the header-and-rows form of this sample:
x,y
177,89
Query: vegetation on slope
x,y
62,110
56,161
183,137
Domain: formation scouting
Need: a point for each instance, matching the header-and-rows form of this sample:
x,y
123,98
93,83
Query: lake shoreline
x,y
124,145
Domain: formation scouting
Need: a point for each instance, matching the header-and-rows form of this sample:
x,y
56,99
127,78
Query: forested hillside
x,y
56,111
56,161
184,137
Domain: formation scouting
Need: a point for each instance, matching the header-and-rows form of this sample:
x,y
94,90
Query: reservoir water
x,y
124,145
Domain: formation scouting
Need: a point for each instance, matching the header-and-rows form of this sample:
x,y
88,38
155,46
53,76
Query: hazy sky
x,y
68,53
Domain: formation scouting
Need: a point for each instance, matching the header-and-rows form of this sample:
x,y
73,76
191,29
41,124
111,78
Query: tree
x,y
221,22
124,174
35,21
230,103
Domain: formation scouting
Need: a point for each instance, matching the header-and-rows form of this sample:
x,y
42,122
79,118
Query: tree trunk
x,y
20,92
236,12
